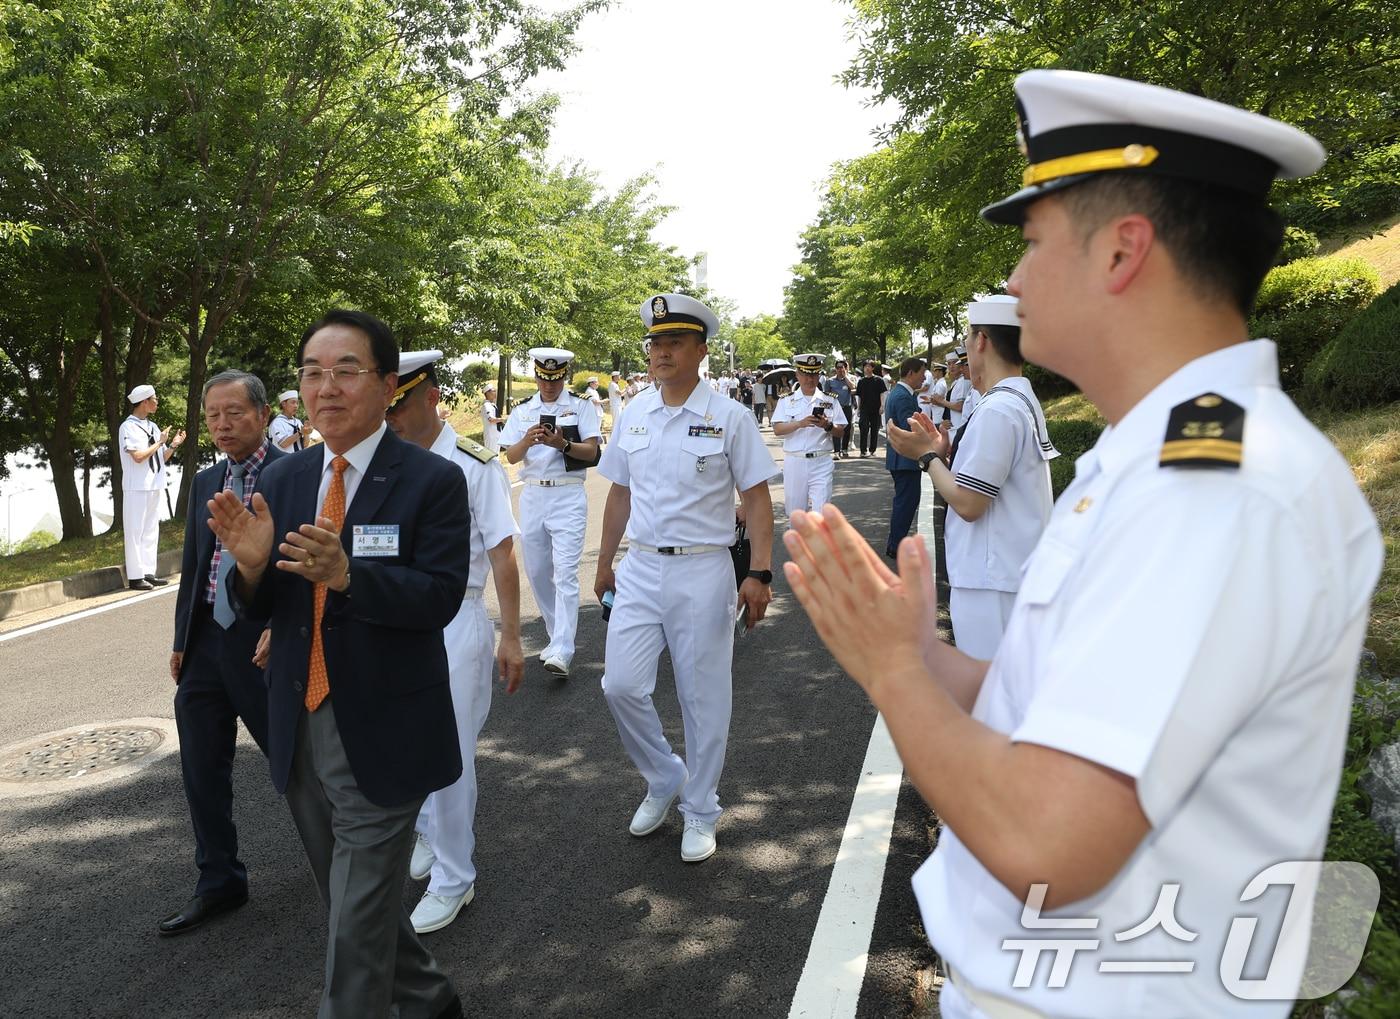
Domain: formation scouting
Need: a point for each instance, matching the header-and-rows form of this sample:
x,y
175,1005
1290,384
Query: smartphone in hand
x,y
741,620
547,422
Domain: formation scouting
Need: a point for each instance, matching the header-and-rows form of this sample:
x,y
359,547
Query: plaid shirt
x,y
251,467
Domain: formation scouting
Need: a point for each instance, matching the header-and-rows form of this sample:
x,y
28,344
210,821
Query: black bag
x,y
742,554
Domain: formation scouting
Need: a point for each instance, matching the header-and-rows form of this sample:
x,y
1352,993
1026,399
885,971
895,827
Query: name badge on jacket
x,y
374,540
707,431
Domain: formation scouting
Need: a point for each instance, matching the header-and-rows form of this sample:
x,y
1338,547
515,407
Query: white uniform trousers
x,y
979,619
552,522
140,531
685,603
491,438
448,815
807,483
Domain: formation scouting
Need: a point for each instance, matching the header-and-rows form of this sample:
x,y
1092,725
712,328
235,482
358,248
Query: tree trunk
x,y
189,452
503,380
87,488
61,461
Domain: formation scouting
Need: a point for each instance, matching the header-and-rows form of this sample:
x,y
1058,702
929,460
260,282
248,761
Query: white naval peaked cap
x,y
140,393
290,394
667,313
997,310
413,369
812,364
551,363
1072,125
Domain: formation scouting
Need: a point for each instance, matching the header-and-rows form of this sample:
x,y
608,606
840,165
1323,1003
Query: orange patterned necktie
x,y
318,684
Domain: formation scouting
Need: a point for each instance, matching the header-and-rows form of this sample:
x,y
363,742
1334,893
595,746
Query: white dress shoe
x,y
434,912
698,841
423,857
557,664
651,813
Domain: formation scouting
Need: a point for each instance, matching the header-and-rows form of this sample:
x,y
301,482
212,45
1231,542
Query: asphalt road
x,y
573,916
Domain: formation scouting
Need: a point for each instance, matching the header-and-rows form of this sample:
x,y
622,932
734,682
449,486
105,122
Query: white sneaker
x,y
423,857
557,664
434,912
651,813
698,841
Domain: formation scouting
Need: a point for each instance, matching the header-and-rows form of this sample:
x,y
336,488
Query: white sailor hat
x,y
290,394
551,363
140,393
668,313
997,310
1072,125
951,357
592,380
616,374
811,364
414,367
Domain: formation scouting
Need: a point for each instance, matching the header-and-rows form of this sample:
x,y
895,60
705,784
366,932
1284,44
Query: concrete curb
x,y
74,588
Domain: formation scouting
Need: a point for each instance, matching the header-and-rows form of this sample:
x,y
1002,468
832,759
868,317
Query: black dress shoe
x,y
141,585
453,1009
156,581
197,911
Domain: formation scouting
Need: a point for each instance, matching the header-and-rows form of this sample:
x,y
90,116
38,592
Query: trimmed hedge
x,y
1073,439
1297,243
1361,365
1302,306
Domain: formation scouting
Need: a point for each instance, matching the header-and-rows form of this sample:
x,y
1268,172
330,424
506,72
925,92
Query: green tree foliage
x,y
758,339
1304,304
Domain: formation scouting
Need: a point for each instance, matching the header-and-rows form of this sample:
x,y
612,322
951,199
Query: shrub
x,y
1047,384
1297,243
1073,439
1303,305
1361,365
580,380
1366,193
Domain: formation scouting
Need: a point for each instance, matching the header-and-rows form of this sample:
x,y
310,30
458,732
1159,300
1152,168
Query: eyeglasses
x,y
313,375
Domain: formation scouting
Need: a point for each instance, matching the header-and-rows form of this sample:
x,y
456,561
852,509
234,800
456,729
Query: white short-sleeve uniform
x,y
553,516
681,466
1196,630
808,471
615,403
1002,455
958,390
448,816
490,432
142,485
282,427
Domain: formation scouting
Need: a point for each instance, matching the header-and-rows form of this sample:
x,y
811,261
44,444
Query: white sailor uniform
x,y
280,428
808,472
1003,454
961,389
681,466
1196,630
448,815
553,515
490,431
142,485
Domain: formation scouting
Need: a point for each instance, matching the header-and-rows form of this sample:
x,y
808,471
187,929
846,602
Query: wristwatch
x,y
762,576
567,446
927,459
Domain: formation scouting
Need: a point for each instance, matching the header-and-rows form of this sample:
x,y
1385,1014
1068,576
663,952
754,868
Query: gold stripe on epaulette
x,y
1203,449
1127,158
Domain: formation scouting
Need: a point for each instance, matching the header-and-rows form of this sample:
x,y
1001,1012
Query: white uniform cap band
x,y
998,310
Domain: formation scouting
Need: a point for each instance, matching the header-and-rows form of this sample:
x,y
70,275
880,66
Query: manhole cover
x,y
78,753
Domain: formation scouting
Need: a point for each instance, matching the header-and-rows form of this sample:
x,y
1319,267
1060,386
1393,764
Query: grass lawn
x,y
1379,245
77,555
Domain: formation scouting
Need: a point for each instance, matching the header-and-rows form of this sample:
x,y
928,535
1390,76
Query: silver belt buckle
x,y
670,550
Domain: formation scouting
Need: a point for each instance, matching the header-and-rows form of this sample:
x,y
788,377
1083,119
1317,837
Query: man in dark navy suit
x,y
357,552
212,662
899,404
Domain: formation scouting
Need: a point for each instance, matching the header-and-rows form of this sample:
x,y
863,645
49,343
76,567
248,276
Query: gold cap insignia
x,y
659,310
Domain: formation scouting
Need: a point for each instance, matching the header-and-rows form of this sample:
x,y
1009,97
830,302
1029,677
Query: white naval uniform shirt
x,y
543,461
488,498
810,439
281,427
959,390
999,456
1196,630
136,434
658,454
936,387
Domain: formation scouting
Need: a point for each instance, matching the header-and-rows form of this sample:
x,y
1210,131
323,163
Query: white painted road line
x,y
85,613
835,968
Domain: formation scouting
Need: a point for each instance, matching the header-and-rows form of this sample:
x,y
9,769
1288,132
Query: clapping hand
x,y
922,437
245,536
314,551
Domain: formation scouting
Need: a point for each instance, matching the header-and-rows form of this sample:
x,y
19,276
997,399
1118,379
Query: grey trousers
x,y
375,964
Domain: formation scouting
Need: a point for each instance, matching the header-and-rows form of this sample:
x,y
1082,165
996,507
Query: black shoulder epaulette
x,y
475,449
1207,431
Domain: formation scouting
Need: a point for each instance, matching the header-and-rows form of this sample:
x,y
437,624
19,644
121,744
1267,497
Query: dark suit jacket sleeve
x,y
191,576
424,593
